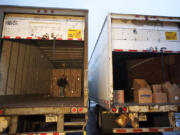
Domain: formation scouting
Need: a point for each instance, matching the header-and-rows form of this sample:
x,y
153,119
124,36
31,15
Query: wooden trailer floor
x,y
39,101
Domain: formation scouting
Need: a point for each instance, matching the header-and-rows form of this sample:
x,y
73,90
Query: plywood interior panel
x,y
5,57
24,69
74,82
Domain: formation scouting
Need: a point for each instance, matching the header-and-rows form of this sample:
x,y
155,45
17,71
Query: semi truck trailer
x,y
132,55
37,47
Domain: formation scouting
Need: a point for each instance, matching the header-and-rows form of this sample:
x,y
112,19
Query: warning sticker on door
x,y
171,35
74,33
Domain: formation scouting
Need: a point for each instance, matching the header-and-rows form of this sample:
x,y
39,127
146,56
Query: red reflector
x,y
124,109
59,39
118,50
132,50
56,133
18,37
168,51
1,112
74,109
168,129
29,38
39,38
154,51
137,130
113,109
80,109
120,131
153,130
7,37
70,39
43,133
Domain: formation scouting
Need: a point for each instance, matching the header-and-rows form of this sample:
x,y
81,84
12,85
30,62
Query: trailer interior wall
x,y
24,69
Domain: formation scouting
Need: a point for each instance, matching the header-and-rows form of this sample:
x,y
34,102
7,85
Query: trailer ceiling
x,y
63,53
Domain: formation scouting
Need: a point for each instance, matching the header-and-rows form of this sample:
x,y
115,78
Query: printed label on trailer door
x,y
171,35
51,118
74,33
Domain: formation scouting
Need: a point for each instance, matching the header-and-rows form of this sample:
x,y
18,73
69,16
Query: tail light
x,y
124,109
1,112
80,110
114,109
74,110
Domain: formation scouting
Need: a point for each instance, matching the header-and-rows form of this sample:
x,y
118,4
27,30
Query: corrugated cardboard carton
x,y
143,95
166,86
157,88
140,83
174,95
119,96
159,97
122,120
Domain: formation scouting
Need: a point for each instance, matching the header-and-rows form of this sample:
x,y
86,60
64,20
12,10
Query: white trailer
x,y
35,42
129,37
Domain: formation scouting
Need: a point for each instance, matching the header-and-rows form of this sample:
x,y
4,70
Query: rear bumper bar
x,y
140,130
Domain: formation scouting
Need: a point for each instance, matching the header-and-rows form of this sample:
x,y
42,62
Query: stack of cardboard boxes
x,y
173,92
74,82
164,93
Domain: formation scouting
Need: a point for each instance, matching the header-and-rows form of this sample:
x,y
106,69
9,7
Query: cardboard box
x,y
174,95
140,83
143,95
159,97
119,96
166,86
157,88
122,120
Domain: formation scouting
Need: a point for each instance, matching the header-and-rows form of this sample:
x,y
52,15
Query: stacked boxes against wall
x,y
74,81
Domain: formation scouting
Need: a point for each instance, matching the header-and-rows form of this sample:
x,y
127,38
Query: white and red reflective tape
x,y
139,130
50,133
39,38
126,50
106,102
46,133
